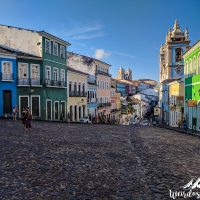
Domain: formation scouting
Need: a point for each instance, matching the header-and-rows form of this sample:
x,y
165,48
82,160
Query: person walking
x,y
28,120
15,110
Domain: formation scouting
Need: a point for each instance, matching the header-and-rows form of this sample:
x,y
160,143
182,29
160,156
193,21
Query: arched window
x,y
199,64
178,54
194,65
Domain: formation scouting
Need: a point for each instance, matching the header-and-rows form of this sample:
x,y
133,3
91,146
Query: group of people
x,y
26,117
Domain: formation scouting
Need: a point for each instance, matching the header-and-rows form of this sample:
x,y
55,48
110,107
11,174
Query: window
x,y
35,74
178,54
79,88
83,88
47,46
23,73
55,74
7,71
55,49
70,86
62,51
75,87
48,73
62,75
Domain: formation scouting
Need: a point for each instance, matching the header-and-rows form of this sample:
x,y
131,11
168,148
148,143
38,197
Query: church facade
x,y
124,74
171,64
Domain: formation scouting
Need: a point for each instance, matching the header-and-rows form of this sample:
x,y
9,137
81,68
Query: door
x,y
35,101
23,102
62,109
49,110
7,101
56,110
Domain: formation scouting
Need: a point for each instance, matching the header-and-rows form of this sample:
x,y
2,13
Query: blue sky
x,y
124,33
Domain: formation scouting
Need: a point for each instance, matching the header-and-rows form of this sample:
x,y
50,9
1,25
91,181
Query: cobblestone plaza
x,y
74,161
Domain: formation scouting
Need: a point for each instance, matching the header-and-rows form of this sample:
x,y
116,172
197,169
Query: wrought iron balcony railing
x,y
103,73
77,94
103,105
55,83
7,77
29,81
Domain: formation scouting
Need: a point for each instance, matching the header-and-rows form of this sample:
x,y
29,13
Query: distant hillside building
x,y
124,74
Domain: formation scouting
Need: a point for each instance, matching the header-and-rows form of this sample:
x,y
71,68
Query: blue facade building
x,y
8,89
121,88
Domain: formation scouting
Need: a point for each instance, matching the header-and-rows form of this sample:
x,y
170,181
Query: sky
x,y
125,33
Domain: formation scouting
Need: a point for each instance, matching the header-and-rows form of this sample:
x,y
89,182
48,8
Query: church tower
x,y
128,74
121,73
171,61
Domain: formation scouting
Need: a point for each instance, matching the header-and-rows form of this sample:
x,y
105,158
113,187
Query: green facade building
x,y
192,86
41,71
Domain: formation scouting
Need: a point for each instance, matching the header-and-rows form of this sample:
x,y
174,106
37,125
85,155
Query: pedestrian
x,y
15,110
28,120
24,116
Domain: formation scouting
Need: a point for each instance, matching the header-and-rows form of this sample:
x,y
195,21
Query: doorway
x,y
7,101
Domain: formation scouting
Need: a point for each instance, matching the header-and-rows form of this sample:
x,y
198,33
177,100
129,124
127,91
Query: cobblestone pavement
x,y
74,161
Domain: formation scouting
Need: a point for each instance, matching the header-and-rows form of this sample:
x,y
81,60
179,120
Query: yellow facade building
x,y
77,95
176,103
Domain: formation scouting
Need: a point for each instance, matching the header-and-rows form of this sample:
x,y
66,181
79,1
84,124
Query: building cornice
x,y
193,48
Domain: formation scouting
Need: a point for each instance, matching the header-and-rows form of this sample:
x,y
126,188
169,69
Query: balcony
x,y
102,73
55,83
103,105
7,77
77,94
29,81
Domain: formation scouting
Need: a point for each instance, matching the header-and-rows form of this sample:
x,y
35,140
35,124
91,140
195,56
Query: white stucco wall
x,y
20,39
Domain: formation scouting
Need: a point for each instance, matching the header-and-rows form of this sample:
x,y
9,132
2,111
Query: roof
x,y
18,53
94,59
50,35
40,32
77,71
191,48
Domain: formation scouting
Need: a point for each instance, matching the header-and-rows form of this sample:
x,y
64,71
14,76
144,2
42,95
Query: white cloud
x,y
101,53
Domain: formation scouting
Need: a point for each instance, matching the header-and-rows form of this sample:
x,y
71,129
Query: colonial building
x,y
99,82
125,74
171,64
52,50
176,103
125,87
87,65
192,86
103,91
92,98
77,94
8,90
30,85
